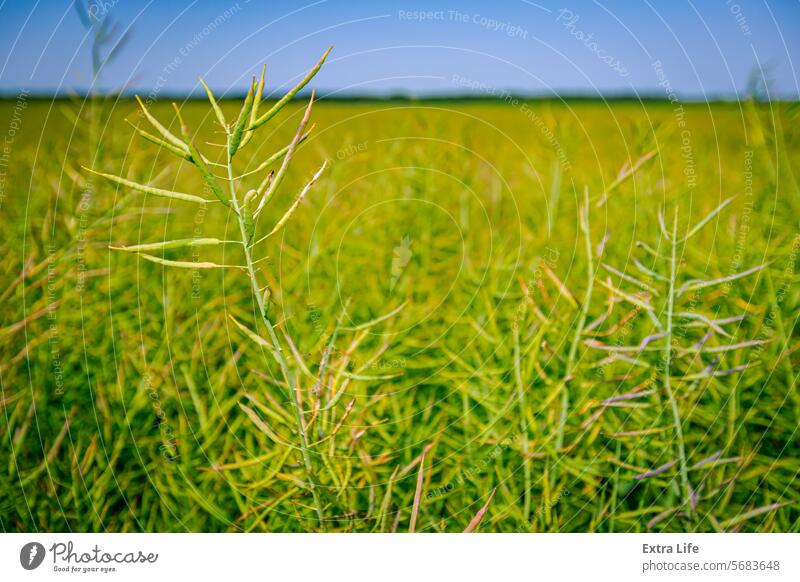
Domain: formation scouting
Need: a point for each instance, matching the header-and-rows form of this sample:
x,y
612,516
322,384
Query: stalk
x,y
523,424
676,418
278,351
584,314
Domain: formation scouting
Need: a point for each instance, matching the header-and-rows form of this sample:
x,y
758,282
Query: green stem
x,y
277,351
584,313
676,418
523,424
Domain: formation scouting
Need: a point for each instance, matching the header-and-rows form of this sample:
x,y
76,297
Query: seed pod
x,y
169,244
286,98
180,264
169,136
149,189
247,209
242,121
198,161
215,106
254,111
180,152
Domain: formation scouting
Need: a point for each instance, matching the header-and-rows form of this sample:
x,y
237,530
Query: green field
x,y
452,331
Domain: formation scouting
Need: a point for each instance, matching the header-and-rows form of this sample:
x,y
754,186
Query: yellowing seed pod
x,y
242,121
247,211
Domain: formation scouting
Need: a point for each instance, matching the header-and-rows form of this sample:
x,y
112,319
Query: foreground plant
x,y
680,360
247,208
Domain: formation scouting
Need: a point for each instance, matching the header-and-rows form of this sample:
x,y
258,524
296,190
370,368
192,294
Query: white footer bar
x,y
400,557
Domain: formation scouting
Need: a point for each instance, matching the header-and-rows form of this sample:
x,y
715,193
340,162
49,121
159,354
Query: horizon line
x,y
400,95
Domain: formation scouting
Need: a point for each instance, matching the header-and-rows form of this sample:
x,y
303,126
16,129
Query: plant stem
x,y
523,424
277,350
676,418
584,313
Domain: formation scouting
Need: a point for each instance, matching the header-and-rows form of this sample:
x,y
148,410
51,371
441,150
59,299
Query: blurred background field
x,y
457,220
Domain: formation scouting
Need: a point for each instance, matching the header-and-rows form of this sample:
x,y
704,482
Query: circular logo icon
x,y
31,555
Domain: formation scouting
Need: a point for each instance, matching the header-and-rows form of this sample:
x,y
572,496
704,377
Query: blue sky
x,y
702,48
